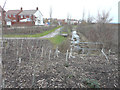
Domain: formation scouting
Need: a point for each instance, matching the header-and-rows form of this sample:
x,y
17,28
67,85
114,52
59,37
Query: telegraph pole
x,y
1,44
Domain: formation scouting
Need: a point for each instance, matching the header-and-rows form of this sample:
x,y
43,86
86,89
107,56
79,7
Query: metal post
x,y
1,42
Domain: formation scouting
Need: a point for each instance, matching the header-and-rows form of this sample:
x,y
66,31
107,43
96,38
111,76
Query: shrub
x,y
64,46
91,83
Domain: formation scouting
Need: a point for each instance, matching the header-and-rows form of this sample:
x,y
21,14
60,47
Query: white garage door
x,y
8,23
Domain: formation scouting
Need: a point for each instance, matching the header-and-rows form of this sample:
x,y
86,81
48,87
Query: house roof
x,y
13,11
27,12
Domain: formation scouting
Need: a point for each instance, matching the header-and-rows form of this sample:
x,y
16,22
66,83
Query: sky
x,y
62,8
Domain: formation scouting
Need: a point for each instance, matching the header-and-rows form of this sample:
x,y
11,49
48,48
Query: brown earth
x,y
39,71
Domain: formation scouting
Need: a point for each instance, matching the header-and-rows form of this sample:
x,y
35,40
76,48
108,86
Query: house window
x,y
0,14
10,15
13,15
30,16
6,15
21,16
25,16
14,20
38,21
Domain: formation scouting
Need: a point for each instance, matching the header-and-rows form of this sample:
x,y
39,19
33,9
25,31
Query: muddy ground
x,y
35,69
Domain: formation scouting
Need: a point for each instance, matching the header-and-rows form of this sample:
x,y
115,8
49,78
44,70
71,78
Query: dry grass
x,y
100,33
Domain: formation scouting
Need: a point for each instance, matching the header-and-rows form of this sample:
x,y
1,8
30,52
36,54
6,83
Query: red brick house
x,y
12,16
24,17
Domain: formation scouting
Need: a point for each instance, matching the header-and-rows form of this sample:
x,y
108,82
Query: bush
x,y
105,33
91,83
64,46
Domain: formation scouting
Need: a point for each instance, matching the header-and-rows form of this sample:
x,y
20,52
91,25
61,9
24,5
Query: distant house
x,y
1,16
33,17
72,21
12,16
61,21
24,17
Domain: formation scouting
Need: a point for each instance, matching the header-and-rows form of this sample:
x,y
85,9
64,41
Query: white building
x,y
31,15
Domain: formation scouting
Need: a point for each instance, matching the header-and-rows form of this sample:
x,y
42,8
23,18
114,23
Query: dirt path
x,y
52,34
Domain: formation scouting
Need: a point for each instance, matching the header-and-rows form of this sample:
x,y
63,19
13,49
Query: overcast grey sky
x,y
61,8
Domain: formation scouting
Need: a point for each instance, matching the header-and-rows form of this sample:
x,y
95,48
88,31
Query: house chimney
x,y
21,8
36,8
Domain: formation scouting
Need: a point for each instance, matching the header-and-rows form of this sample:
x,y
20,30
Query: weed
x,y
91,83
70,76
57,40
66,65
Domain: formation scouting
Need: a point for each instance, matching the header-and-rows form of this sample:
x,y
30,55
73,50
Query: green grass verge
x,y
34,35
64,32
57,40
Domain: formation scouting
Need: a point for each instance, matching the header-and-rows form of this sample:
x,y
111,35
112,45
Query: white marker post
x,y
17,55
19,60
104,54
3,83
49,54
42,52
67,55
57,51
33,78
21,45
70,55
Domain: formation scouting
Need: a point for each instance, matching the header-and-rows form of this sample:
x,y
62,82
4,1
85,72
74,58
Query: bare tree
x,y
103,17
90,18
83,17
50,14
104,30
68,18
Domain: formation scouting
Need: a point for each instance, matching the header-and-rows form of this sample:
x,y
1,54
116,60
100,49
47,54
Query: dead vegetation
x,y
101,31
64,46
28,63
26,30
34,63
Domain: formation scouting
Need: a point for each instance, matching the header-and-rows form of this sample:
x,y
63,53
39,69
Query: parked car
x,y
26,20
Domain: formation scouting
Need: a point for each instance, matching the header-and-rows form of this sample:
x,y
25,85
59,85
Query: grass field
x,y
57,40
